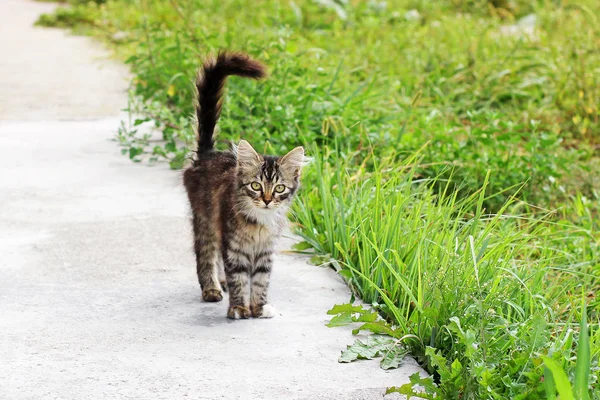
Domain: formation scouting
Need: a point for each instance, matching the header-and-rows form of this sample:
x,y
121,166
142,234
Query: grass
x,y
453,185
524,108
479,298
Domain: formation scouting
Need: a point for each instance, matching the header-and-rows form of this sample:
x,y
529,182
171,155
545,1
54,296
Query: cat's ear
x,y
247,156
293,161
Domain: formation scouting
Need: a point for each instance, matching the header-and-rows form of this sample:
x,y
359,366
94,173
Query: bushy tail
x,y
210,84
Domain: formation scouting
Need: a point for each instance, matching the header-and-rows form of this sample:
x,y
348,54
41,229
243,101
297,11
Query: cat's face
x,y
267,184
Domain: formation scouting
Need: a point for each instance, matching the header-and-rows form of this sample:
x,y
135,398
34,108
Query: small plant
x,y
556,379
67,17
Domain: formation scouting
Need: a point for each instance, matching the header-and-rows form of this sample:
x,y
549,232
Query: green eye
x,y
255,186
279,188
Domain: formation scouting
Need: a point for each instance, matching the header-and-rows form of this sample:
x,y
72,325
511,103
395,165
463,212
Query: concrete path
x,y
98,294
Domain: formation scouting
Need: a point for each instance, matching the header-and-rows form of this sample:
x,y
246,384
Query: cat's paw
x,y
264,311
212,295
238,312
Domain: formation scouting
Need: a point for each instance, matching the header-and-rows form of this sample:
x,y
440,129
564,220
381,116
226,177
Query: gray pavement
x,y
98,294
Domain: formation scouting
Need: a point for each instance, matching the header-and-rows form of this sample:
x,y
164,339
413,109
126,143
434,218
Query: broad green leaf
x,y
346,273
374,346
343,308
319,260
379,327
300,246
342,319
456,368
367,317
134,152
171,146
393,357
438,360
430,391
560,378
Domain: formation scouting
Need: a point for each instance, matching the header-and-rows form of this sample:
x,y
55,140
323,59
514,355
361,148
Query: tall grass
x,y
477,293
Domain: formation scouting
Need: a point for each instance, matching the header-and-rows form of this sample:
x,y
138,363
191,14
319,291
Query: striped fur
x,y
239,201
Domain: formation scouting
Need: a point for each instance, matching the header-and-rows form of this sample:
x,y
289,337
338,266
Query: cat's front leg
x,y
237,273
221,269
260,276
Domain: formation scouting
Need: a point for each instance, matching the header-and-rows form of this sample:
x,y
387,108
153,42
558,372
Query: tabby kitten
x,y
239,200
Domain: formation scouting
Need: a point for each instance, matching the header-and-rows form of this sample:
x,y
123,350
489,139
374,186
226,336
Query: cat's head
x,y
267,184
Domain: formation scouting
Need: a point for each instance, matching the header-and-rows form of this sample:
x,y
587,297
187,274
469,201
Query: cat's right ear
x,y
246,155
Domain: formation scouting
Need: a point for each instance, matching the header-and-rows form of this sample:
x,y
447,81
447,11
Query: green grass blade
x,y
549,385
560,377
582,368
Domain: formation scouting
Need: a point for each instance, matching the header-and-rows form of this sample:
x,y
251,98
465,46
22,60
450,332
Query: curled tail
x,y
210,84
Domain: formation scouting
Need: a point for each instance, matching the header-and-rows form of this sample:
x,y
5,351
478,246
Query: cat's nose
x,y
267,201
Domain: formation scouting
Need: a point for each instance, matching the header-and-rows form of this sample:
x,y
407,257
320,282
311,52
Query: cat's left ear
x,y
247,156
293,161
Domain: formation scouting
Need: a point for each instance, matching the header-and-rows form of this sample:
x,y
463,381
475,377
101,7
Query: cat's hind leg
x,y
206,247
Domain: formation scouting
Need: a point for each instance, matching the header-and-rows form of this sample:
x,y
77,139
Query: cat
x,y
239,199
